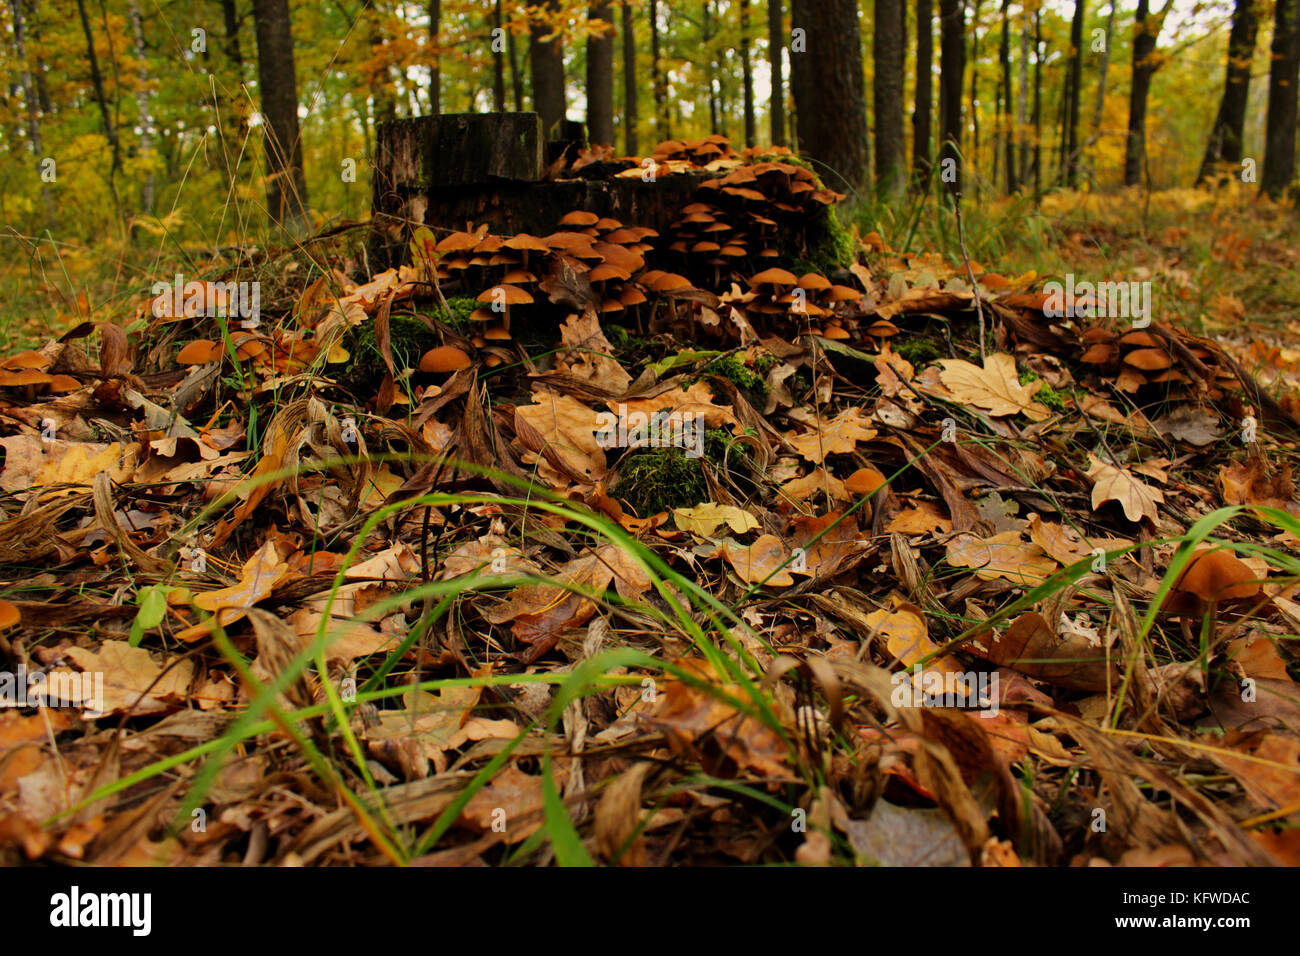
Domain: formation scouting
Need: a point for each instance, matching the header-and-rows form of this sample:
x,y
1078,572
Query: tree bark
x,y
1022,101
630,143
498,62
775,45
1225,143
1283,73
1038,102
747,76
923,104
1006,124
889,49
97,81
973,157
658,82
286,187
600,75
1071,157
32,105
952,63
829,91
1146,30
547,55
142,105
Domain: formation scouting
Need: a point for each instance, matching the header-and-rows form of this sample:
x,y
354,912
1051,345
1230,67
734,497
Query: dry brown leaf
x,y
1006,555
995,388
758,562
1110,483
838,436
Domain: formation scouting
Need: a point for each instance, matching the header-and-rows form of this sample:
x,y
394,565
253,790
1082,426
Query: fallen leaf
x,y
1116,484
995,388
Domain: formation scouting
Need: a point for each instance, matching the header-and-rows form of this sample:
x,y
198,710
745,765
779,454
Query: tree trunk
x,y
547,54
1038,102
32,105
1146,29
97,80
889,49
600,76
286,188
435,62
516,75
1022,101
747,74
142,105
829,91
775,45
974,155
1224,145
952,63
1284,70
710,70
1072,117
498,62
923,104
658,82
629,81
1006,125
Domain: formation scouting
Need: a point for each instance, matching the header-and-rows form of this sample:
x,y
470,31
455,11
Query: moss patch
x,y
917,350
410,339
652,480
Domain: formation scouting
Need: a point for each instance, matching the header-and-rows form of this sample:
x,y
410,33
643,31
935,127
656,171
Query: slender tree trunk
x,y
1005,120
547,55
952,64
1076,78
31,104
1022,102
1038,102
435,57
923,104
34,31
230,17
974,155
658,82
630,143
142,105
1146,31
775,45
1283,73
710,70
747,74
97,81
829,91
1100,106
498,61
889,49
286,187
1225,142
600,75
516,75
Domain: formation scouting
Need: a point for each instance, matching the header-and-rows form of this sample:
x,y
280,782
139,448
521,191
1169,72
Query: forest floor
x,y
367,585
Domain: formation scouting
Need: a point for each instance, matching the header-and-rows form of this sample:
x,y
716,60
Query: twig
x,y
970,274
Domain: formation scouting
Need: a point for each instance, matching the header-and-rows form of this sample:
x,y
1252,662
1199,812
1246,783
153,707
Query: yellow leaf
x,y
704,519
1116,484
995,388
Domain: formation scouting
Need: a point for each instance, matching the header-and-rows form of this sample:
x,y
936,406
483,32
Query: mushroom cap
x,y
497,333
811,281
1149,360
28,359
607,270
64,383
579,217
606,224
24,376
457,242
444,358
843,293
526,243
864,481
200,352
512,293
775,277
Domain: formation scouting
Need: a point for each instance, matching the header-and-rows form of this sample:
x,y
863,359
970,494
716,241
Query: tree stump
x,y
454,169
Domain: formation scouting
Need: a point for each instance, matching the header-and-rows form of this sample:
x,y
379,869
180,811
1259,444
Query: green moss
x,y
410,338
830,247
652,480
739,374
461,306
917,350
765,364
1046,395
